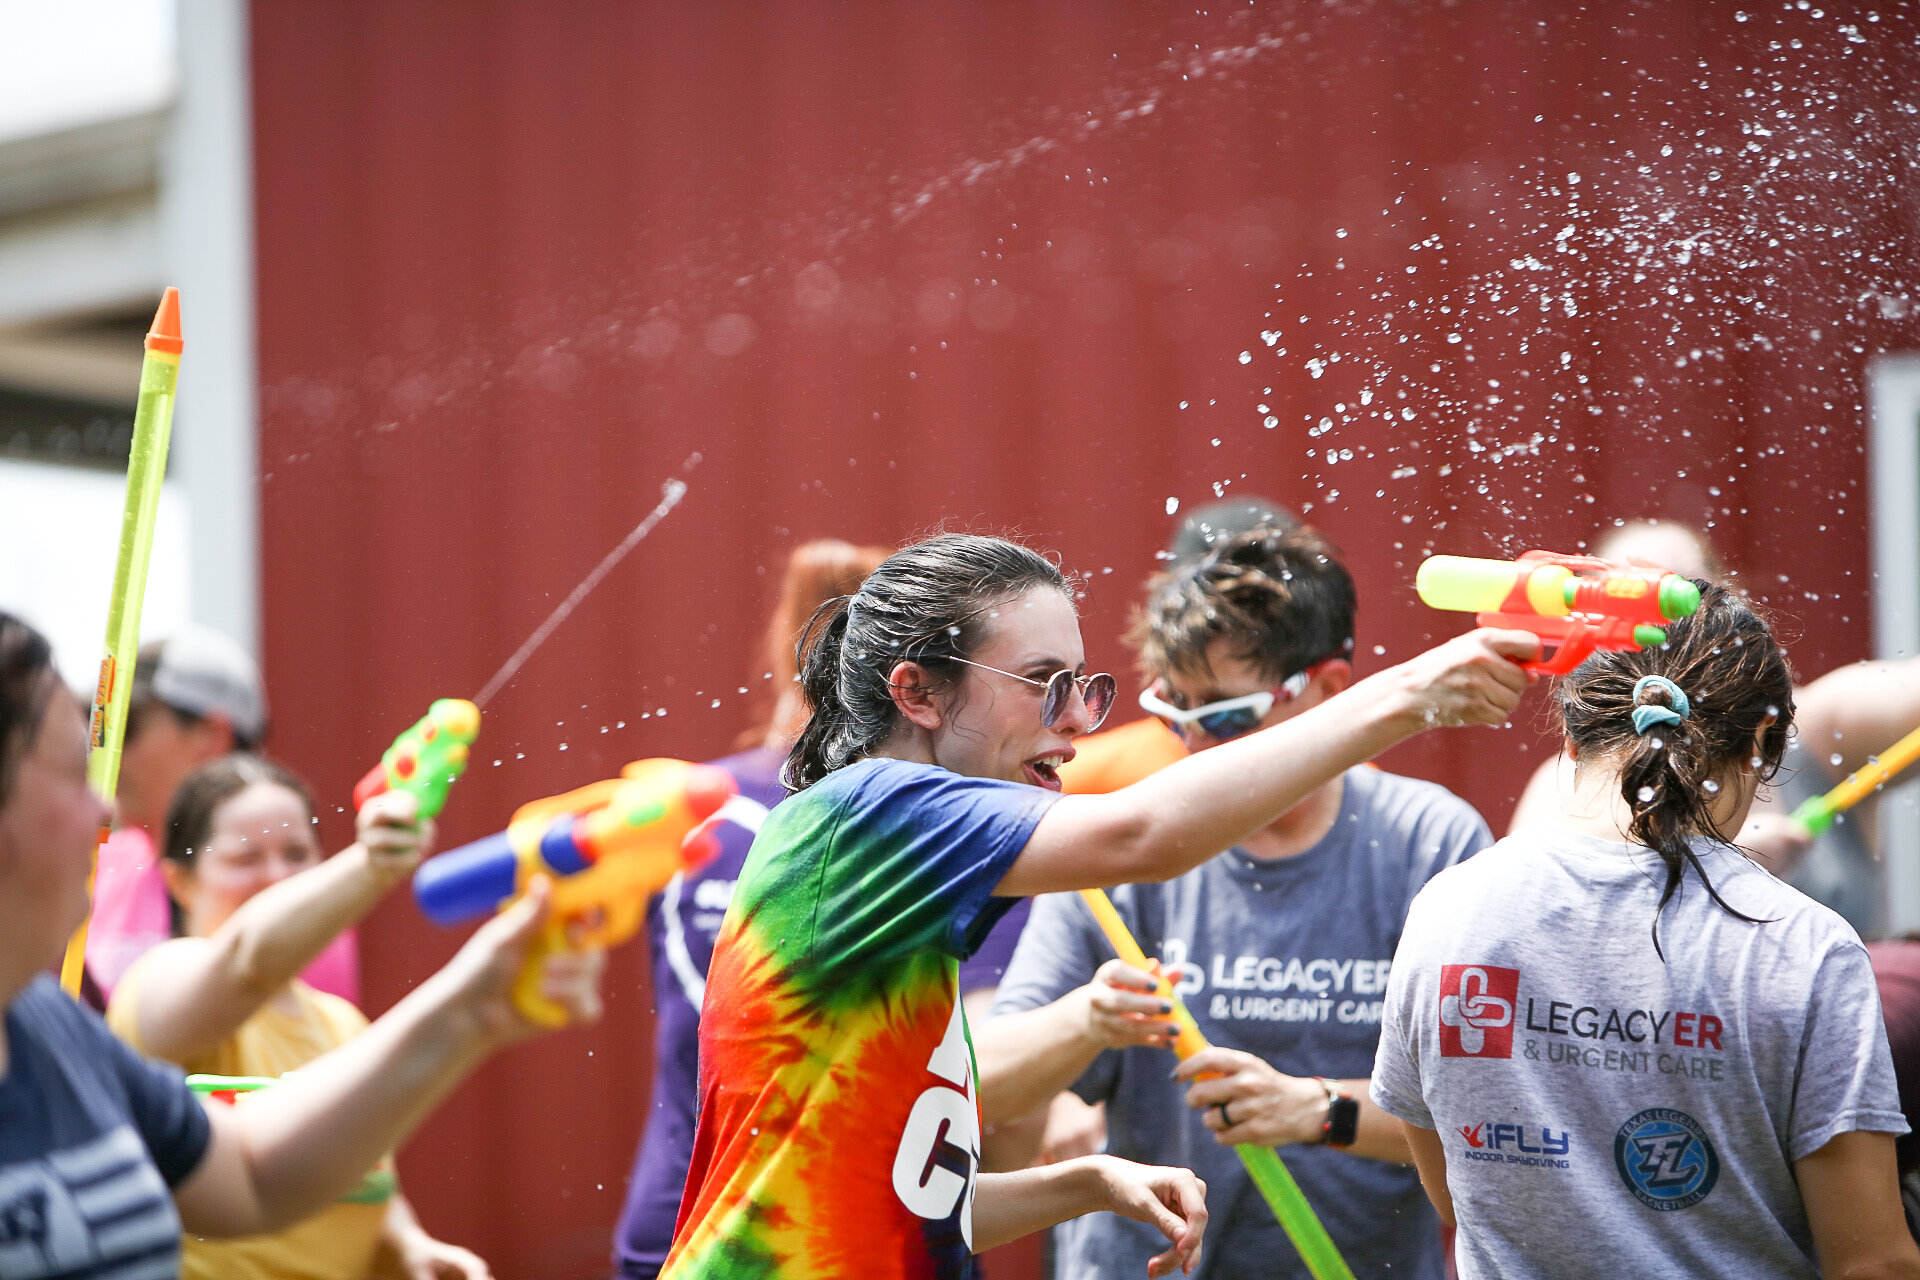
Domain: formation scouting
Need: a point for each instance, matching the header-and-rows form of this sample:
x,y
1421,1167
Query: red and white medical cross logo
x,y
1476,1010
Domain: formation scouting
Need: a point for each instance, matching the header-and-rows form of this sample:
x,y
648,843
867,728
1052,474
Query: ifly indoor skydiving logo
x,y
1476,1010
1542,1147
1665,1159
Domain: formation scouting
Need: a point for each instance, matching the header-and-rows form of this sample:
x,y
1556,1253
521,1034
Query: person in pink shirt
x,y
197,696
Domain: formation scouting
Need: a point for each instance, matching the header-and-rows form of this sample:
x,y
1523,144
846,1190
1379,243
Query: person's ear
x,y
914,695
1332,677
179,878
1759,751
212,737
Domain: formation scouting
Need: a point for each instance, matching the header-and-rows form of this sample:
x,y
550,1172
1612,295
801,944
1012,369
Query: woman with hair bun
x,y
1619,1047
839,1127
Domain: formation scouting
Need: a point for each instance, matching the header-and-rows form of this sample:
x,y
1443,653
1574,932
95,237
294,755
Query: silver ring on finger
x,y
1226,1117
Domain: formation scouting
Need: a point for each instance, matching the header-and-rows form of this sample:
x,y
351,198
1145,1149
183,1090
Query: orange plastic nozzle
x,y
708,787
165,334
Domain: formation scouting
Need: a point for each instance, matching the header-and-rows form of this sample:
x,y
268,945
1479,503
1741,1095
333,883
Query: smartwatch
x,y
1343,1116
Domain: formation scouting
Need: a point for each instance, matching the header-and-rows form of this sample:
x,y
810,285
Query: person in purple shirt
x,y
684,920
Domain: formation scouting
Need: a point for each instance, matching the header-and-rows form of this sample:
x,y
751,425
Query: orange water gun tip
x,y
165,334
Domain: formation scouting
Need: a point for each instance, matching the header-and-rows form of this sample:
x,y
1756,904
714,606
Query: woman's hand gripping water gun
x,y
606,848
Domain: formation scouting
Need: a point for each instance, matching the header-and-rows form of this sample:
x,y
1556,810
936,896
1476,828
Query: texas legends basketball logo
x,y
1665,1159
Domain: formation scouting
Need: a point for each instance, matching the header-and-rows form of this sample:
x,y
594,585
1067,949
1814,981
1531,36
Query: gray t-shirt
x,y
1287,959
1604,1112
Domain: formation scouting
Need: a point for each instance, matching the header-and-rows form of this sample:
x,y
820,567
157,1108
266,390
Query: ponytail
x,y
1679,719
838,731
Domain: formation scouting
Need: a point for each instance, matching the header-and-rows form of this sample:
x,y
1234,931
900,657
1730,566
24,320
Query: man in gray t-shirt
x,y
1281,949
1286,960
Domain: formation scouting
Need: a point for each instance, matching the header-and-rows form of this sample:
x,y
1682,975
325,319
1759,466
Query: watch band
x,y
1342,1125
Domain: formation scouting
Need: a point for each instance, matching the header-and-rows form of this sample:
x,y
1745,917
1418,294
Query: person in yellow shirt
x,y
254,901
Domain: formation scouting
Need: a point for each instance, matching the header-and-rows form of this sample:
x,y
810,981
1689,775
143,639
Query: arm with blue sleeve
x,y
916,852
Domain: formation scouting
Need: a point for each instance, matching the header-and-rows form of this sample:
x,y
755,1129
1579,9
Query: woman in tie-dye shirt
x,y
839,1125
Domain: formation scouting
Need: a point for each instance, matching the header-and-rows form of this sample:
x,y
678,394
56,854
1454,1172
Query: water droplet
x,y
563,746
1658,743
1712,787
1836,759
1379,650
1173,504
1246,357
1646,795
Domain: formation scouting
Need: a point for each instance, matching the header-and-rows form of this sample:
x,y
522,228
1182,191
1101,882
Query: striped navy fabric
x,y
98,1210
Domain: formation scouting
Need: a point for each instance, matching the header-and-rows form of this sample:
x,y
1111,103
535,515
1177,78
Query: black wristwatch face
x,y
1343,1121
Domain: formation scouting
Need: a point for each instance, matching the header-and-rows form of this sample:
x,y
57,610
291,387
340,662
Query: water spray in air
x,y
671,493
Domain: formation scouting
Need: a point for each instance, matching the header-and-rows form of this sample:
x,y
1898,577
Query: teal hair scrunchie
x,y
1646,715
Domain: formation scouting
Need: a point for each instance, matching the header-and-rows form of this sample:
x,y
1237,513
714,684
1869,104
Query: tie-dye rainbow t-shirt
x,y
839,1125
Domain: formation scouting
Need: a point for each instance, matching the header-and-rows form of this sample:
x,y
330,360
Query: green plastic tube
x,y
146,468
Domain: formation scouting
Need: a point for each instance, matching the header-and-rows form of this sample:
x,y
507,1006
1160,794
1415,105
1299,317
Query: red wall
x,y
865,269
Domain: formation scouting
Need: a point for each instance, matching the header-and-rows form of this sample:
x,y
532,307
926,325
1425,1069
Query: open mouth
x,y
1044,771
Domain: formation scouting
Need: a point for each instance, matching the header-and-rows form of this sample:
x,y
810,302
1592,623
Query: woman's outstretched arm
x,y
1171,822
291,1149
196,992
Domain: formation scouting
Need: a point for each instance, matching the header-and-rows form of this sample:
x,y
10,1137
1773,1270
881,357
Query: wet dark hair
x,y
1277,594
27,680
926,603
1726,661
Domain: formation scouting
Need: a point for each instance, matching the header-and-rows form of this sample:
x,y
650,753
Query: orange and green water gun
x,y
1577,605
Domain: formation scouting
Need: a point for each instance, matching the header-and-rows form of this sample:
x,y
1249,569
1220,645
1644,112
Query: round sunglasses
x,y
1229,717
1095,690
